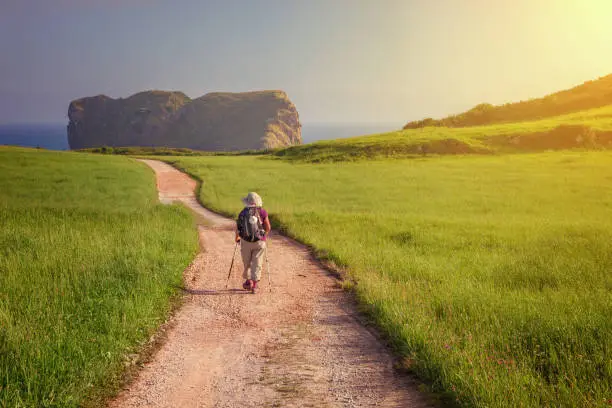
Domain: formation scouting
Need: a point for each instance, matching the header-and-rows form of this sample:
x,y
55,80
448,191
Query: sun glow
x,y
594,18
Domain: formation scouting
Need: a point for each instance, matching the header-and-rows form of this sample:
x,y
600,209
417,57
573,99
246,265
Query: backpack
x,y
250,226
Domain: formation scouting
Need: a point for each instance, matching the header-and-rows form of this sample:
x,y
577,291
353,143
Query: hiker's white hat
x,y
252,200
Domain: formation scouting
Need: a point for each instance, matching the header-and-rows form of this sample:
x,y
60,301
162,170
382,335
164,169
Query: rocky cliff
x,y
213,122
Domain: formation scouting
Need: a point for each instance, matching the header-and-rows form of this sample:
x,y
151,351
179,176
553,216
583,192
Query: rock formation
x,y
213,122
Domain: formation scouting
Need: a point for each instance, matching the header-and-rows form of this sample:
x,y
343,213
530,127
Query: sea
x,y
52,136
312,132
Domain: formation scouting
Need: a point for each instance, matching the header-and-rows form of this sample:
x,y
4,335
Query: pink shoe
x,y
247,285
254,287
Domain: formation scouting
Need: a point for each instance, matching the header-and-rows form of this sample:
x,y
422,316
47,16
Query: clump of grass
x,y
489,274
89,265
163,151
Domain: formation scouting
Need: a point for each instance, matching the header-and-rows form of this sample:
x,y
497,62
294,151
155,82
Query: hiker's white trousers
x,y
253,254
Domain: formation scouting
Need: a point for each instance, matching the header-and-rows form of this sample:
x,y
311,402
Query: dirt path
x,y
296,343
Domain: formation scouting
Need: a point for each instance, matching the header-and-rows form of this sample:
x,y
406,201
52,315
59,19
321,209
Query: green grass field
x,y
490,275
89,265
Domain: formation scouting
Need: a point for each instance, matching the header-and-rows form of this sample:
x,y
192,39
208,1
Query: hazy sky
x,y
339,60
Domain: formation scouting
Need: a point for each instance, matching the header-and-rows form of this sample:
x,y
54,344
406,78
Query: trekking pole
x,y
231,265
268,262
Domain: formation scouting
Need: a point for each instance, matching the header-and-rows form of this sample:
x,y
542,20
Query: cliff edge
x,y
219,121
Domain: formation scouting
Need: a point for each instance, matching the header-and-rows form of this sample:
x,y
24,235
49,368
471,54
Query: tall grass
x,y
490,275
89,263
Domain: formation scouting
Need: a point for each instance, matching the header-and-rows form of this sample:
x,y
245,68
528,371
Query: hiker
x,y
252,229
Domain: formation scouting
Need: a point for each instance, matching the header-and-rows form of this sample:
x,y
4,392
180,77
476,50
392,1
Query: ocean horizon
x,y
50,136
313,132
53,136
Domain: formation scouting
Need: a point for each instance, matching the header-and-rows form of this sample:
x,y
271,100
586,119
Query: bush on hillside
x,y
558,138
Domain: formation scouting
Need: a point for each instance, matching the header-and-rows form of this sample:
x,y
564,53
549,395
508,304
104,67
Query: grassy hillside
x,y
591,129
89,262
591,94
490,275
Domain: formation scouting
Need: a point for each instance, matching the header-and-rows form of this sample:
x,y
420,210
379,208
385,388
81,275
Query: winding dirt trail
x,y
297,343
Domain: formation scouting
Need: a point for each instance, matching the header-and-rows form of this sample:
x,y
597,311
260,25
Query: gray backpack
x,y
250,225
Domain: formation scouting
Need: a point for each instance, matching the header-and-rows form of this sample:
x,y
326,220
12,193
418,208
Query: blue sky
x,y
358,61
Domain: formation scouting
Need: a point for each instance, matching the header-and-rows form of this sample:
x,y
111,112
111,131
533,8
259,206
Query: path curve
x,y
297,343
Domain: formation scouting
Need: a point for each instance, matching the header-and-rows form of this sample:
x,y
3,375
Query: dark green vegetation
x,y
162,151
591,94
89,265
490,275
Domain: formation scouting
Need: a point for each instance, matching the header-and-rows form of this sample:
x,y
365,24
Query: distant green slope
x,y
590,129
591,94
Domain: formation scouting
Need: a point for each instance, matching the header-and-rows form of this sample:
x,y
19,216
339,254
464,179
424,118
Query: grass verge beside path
x,y
89,264
490,275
